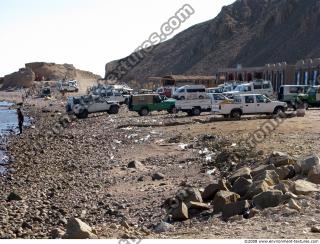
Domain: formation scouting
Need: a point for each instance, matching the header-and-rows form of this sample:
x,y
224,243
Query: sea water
x,y
8,124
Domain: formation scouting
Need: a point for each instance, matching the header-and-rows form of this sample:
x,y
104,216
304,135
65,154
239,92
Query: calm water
x,y
8,124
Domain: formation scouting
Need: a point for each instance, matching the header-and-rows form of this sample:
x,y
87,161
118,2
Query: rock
x,y
136,165
222,198
189,194
241,186
198,206
261,169
211,190
279,159
235,208
302,187
22,78
243,172
125,224
305,164
14,197
180,212
269,176
163,227
314,174
76,229
26,225
57,233
157,176
282,187
256,188
286,172
267,199
315,229
293,205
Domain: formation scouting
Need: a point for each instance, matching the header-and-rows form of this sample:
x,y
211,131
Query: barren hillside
x,y
250,32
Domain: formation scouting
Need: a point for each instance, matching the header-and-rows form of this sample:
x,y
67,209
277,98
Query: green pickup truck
x,y
146,103
311,98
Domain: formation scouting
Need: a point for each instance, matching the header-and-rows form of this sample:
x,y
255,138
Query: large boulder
x,y
22,78
286,172
302,187
305,164
256,188
269,176
267,199
243,172
283,186
76,229
241,186
180,212
189,194
222,198
198,206
235,208
260,169
279,159
211,190
314,174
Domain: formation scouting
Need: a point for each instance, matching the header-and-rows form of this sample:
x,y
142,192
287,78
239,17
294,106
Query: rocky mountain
x,y
39,71
248,32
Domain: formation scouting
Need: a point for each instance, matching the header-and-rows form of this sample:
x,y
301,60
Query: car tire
x,y
201,97
144,112
278,110
182,98
196,111
306,106
235,114
172,110
83,114
190,113
113,110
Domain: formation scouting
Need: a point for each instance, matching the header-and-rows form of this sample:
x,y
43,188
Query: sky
x,y
86,33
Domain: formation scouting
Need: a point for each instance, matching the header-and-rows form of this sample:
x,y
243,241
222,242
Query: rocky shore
x,y
109,176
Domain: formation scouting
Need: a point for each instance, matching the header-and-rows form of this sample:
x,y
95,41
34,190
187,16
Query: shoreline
x,y
8,130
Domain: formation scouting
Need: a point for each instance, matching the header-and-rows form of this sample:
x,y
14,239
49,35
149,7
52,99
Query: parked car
x,y
218,98
166,91
256,87
68,86
311,98
45,92
215,90
190,92
247,104
146,103
110,94
289,94
84,105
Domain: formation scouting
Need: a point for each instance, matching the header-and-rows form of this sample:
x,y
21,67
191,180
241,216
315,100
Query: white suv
x,y
248,104
190,92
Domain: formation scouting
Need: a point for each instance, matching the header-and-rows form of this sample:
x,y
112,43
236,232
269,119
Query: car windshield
x,y
180,90
240,88
219,97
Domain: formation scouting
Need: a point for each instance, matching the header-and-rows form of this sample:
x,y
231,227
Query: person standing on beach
x,y
20,119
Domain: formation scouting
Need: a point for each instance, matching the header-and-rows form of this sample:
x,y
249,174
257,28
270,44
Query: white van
x,y
256,87
190,92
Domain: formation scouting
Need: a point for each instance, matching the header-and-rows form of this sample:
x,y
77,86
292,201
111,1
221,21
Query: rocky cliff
x,y
39,71
248,32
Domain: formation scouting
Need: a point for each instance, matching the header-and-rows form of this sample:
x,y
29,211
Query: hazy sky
x,y
86,33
